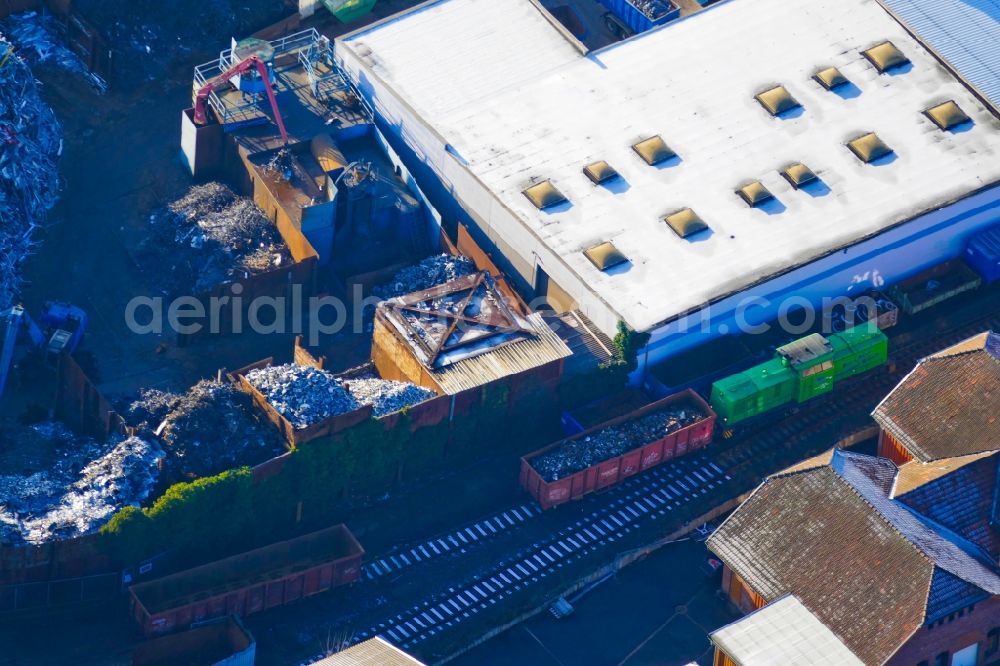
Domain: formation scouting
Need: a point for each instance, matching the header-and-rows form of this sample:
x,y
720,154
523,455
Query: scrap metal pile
x,y
209,429
30,145
386,396
611,442
36,37
148,37
73,489
431,272
302,394
208,237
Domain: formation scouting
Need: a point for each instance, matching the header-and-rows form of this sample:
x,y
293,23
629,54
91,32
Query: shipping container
x,y
611,471
983,254
248,583
935,285
221,642
631,13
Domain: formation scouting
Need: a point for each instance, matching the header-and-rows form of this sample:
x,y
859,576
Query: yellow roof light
x,y
685,223
830,78
885,56
868,147
947,115
544,195
605,256
776,100
798,174
754,193
600,172
653,150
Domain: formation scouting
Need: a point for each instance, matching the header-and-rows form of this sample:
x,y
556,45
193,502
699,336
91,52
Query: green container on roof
x,y
349,10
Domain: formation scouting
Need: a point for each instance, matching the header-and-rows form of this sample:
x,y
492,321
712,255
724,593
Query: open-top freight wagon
x,y
799,371
630,17
604,455
249,582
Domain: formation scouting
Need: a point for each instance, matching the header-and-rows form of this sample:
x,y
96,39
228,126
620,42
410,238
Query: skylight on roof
x,y
544,195
776,100
600,172
605,256
685,223
653,150
830,78
947,115
754,194
868,147
798,174
885,56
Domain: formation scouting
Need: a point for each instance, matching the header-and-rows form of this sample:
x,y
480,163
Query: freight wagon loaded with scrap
x,y
606,454
249,582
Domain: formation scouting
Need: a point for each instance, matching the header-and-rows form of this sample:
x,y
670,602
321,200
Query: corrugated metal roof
x,y
507,359
783,632
965,33
373,652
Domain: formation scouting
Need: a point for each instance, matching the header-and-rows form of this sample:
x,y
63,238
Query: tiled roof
x,y
863,563
949,594
962,500
373,652
949,405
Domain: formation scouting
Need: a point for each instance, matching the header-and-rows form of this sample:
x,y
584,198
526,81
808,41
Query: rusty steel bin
x,y
613,470
249,582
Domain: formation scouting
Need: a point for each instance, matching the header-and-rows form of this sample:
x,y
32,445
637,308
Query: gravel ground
x,y
613,441
303,395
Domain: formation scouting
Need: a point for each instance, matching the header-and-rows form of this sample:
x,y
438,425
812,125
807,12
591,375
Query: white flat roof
x,y
518,102
783,632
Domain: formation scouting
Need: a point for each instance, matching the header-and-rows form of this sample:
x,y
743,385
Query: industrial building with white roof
x,y
487,98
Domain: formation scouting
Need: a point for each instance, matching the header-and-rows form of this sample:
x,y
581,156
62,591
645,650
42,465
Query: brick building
x,y
946,407
900,563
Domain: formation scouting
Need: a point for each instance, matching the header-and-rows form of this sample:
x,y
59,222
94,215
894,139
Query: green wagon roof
x,y
760,377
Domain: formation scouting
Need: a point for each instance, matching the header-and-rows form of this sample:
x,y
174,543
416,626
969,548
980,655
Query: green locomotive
x,y
799,371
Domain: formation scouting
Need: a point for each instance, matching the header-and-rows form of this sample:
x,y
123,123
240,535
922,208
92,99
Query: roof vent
x,y
653,150
754,193
798,174
776,100
947,115
600,172
868,147
544,195
885,56
685,223
605,256
830,78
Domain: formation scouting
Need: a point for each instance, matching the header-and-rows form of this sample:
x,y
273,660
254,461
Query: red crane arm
x,y
242,67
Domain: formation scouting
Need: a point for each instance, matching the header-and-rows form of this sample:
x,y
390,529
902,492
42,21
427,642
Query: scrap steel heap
x,y
30,145
615,440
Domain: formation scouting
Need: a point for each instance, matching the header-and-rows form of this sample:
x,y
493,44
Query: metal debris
x,y
81,488
302,394
211,428
431,272
611,442
30,144
38,41
208,237
386,396
149,37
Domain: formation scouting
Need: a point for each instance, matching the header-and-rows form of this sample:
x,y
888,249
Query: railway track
x,y
611,522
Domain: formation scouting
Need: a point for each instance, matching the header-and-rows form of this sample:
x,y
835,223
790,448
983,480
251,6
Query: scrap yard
x,y
457,331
